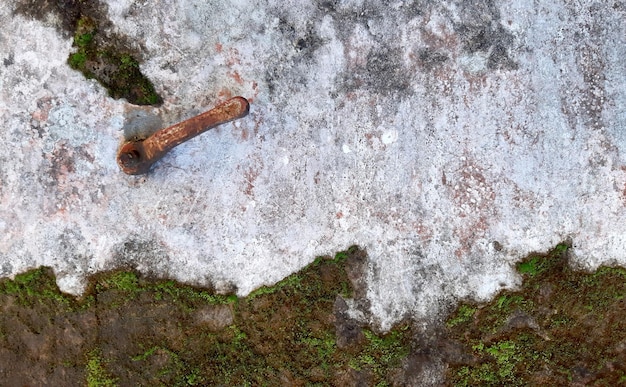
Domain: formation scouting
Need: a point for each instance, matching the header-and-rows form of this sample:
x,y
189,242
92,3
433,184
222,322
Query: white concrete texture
x,y
448,138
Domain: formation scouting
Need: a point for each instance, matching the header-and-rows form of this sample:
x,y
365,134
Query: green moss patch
x,y
97,375
36,287
563,326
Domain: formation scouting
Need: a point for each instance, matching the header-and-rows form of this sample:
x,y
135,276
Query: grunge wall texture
x,y
447,138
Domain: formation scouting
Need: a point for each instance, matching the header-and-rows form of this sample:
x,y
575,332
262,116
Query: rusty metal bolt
x,y
136,157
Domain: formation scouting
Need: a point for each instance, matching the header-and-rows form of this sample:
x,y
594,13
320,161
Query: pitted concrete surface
x,y
448,138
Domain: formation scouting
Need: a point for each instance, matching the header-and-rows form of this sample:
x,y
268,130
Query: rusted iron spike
x,y
136,157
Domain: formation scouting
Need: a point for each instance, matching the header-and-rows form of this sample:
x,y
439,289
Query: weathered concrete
x,y
448,138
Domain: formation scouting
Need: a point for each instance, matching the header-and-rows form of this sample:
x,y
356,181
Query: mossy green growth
x,y
382,352
562,326
530,267
463,315
121,280
107,60
500,371
131,286
97,375
294,281
36,286
77,60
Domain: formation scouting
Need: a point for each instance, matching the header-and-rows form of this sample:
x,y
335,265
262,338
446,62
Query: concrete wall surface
x,y
448,138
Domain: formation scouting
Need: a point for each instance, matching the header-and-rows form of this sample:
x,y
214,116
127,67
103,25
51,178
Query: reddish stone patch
x,y
236,76
233,57
224,94
251,173
44,105
474,198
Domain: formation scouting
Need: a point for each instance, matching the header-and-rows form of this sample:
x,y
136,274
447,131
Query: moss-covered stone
x,y
562,326
131,330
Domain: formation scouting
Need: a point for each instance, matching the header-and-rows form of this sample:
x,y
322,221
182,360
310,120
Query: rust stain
x,y
258,121
224,94
244,134
236,76
233,57
251,173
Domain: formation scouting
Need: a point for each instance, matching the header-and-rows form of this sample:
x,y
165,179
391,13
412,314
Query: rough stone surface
x,y
448,138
